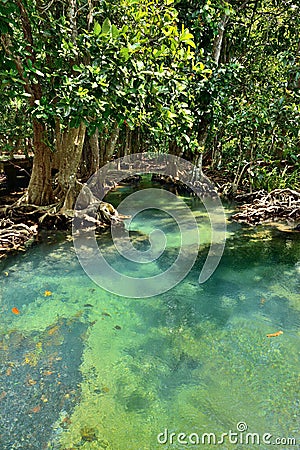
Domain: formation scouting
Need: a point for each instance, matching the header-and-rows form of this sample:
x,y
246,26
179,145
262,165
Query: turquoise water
x,y
84,369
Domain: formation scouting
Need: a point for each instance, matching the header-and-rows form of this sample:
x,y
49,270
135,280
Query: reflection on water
x,y
81,368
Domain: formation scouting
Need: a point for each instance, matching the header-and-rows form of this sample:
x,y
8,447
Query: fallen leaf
x,y
67,420
3,394
53,330
36,409
47,293
278,333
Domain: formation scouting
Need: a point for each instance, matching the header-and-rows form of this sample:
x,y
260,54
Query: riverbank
x,y
20,225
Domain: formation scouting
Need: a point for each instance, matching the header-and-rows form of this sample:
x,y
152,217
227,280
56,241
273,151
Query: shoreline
x,y
279,208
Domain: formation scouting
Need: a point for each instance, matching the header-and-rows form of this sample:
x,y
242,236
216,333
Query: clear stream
x,y
84,369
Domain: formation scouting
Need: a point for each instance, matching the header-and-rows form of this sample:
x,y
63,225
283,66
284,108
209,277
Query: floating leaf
x,y
53,330
36,409
278,333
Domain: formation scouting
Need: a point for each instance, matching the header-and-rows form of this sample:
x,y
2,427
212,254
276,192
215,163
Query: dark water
x,y
83,368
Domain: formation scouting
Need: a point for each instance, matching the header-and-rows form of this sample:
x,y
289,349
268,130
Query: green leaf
x,y
106,26
114,31
38,72
171,115
139,65
41,116
124,53
199,67
4,28
67,111
186,35
125,28
75,122
97,29
191,43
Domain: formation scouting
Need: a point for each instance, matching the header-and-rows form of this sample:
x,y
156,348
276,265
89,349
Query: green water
x,y
84,369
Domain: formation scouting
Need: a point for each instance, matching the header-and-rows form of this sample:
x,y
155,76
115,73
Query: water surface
x,y
83,368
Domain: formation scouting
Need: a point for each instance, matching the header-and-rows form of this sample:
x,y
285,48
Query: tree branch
x,y
6,44
217,45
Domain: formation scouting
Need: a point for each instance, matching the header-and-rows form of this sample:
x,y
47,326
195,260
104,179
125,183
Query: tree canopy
x,y
212,81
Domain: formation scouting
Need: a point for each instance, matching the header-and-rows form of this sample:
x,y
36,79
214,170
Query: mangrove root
x,y
274,206
14,237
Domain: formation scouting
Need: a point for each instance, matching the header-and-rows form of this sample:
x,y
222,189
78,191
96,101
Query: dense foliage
x,y
204,78
250,105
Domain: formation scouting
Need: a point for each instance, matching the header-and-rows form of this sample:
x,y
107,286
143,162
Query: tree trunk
x,y
94,153
175,150
90,158
216,53
217,45
127,142
69,147
107,146
40,186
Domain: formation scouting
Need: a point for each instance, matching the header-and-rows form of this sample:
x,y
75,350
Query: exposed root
x,y
277,205
92,212
15,237
21,222
201,186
